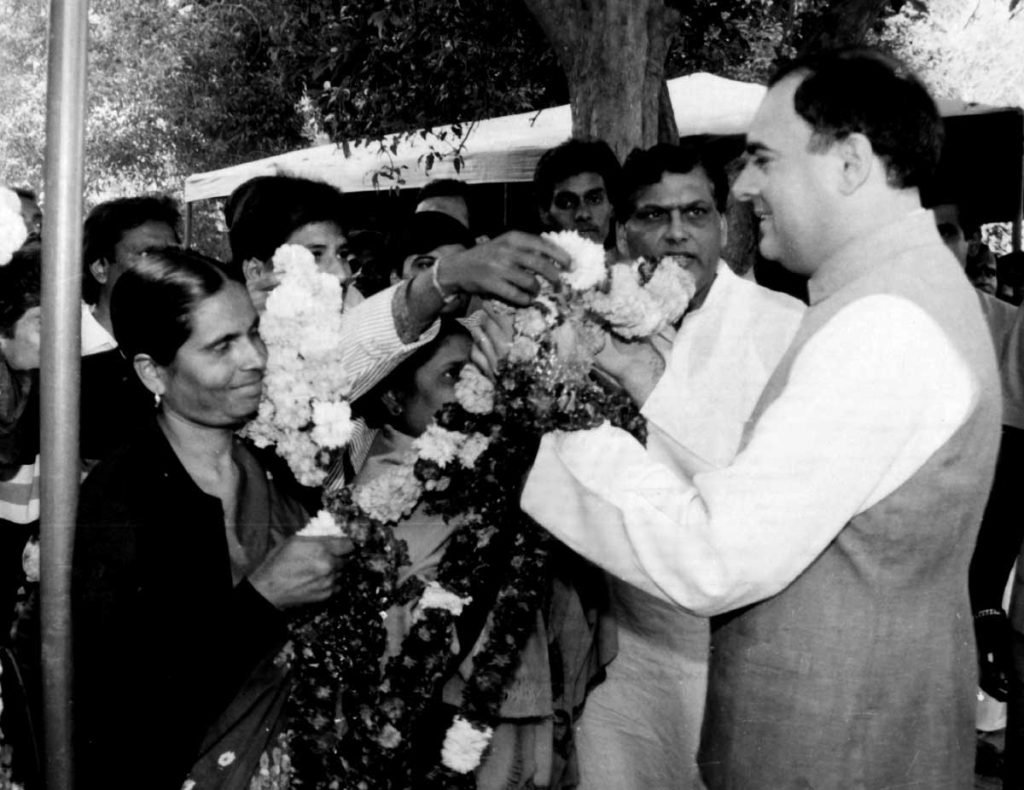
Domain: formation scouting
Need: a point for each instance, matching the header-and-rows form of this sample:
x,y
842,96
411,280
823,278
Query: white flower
x,y
629,309
189,784
588,269
30,560
438,444
332,423
532,322
293,257
472,449
391,496
437,597
523,349
226,759
322,525
12,227
474,391
464,745
672,286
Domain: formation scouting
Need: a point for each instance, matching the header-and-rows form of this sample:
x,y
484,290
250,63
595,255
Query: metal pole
x,y
60,370
188,225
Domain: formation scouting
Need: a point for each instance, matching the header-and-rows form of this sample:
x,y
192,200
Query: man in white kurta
x,y
641,726
838,538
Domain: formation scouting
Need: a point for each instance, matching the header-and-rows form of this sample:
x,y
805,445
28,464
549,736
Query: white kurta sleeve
x,y
371,347
869,398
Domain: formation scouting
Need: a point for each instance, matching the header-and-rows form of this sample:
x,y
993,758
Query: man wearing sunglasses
x,y
575,184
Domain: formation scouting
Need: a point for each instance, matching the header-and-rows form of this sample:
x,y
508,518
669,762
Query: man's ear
x,y
723,227
150,373
546,220
857,158
253,269
98,269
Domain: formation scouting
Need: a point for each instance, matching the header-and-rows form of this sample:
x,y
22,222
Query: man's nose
x,y
745,187
583,211
677,227
338,267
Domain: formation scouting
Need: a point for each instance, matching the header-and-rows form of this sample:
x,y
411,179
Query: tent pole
x,y
60,354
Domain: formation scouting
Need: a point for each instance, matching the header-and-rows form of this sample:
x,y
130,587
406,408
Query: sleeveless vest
x,y
861,673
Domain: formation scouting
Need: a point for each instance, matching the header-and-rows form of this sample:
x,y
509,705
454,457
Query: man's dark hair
x,y
861,91
26,194
20,286
108,222
646,166
570,159
443,187
262,213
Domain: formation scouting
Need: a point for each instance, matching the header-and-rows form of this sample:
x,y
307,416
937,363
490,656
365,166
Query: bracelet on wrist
x,y
445,298
989,613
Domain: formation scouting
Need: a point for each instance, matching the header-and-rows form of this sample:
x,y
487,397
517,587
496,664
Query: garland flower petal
x,y
12,227
464,745
587,269
304,413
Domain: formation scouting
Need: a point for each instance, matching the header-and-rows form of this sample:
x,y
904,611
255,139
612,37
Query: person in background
x,y
422,241
447,195
575,185
1010,271
184,558
367,257
31,213
1000,545
116,234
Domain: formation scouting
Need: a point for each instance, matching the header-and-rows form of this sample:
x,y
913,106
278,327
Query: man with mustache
x,y
834,547
575,184
640,727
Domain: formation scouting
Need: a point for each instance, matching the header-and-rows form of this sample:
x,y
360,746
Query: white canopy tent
x,y
497,150
982,160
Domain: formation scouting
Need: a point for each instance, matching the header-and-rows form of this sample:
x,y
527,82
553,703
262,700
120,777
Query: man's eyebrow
x,y
225,337
754,147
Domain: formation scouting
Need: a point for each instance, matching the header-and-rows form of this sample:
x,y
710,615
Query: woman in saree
x,y
185,559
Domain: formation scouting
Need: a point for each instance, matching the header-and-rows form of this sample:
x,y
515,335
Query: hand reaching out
x,y
506,268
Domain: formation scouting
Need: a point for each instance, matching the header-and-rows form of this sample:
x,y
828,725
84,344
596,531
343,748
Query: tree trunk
x,y
613,54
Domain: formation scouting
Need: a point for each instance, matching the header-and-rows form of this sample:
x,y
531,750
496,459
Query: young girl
x,y
532,744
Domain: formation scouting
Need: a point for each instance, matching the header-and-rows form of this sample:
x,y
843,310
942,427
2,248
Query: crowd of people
x,y
783,587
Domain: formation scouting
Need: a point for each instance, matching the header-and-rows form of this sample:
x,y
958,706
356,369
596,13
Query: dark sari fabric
x,y
163,639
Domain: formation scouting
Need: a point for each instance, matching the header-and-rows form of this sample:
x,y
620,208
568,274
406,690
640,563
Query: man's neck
x,y
102,315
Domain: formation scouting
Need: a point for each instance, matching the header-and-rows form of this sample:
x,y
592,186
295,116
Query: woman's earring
x,y
156,399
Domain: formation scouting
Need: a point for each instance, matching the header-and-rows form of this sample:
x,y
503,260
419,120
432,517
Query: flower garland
x,y
12,227
305,412
357,721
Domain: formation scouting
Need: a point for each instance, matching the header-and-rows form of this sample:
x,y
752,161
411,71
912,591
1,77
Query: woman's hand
x,y
301,570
